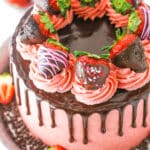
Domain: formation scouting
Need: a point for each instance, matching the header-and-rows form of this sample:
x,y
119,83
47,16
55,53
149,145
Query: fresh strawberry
x,y
91,70
136,22
45,24
122,44
53,57
20,3
128,52
56,148
6,88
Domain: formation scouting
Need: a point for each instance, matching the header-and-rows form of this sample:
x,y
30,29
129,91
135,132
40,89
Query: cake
x,y
81,73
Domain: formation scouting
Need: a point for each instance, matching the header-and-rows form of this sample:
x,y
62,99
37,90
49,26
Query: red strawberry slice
x,y
6,89
56,148
128,52
91,71
20,3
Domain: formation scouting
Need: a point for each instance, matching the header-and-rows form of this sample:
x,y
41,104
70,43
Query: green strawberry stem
x,y
46,20
64,5
55,42
88,2
121,6
134,22
78,53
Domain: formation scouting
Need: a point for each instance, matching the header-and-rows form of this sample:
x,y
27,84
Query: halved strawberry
x,y
53,57
6,88
91,70
57,147
128,52
20,3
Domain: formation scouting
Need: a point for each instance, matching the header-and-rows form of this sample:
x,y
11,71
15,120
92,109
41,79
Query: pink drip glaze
x,y
116,18
61,82
91,97
88,12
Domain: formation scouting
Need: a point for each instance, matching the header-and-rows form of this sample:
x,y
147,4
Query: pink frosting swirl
x,y
27,51
88,12
61,82
91,97
146,45
116,18
131,80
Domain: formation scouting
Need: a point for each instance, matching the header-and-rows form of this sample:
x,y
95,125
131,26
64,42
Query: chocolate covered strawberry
x,y
52,58
60,5
6,88
128,52
91,70
124,6
30,33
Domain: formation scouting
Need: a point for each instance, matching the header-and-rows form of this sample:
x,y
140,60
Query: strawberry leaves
x,y
82,53
64,5
121,6
46,20
134,22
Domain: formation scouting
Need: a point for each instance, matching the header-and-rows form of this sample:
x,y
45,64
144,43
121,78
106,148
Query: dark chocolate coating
x,y
30,33
132,57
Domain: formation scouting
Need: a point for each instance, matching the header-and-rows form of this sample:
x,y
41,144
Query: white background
x,y
9,18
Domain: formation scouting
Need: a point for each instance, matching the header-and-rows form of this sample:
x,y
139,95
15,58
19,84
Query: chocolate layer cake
x,y
58,117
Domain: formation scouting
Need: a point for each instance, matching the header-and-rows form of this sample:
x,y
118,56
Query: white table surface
x,y
9,18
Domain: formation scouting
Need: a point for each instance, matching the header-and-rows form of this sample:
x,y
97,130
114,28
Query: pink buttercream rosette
x,y
88,12
61,82
92,97
130,80
116,18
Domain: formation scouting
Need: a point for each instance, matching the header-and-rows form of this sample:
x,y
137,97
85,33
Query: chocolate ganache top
x,y
90,36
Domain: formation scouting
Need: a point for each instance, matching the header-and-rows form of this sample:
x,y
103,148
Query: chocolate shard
x,y
44,6
30,33
132,57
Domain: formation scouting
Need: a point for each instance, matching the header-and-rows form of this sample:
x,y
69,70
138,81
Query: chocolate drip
x,y
40,113
145,111
103,122
134,113
27,102
85,129
70,124
121,114
52,115
18,92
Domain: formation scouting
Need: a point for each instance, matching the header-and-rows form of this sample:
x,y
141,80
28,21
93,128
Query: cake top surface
x,y
92,47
